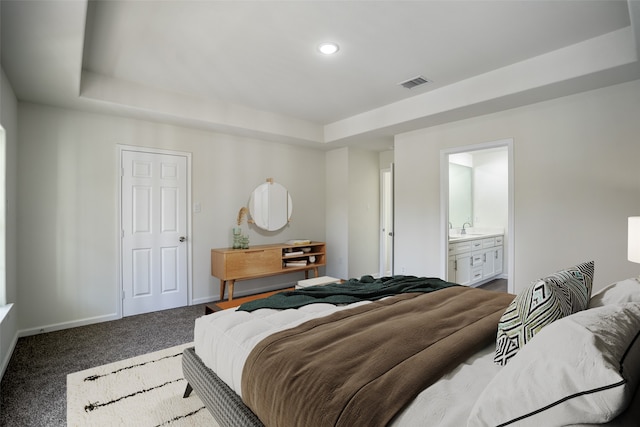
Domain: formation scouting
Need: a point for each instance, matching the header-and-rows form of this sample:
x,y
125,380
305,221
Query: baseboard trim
x,y
203,300
68,325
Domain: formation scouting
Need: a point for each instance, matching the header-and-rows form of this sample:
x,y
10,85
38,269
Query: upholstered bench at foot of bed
x,y
223,403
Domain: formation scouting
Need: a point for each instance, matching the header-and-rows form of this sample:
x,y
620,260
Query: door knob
x,y
182,238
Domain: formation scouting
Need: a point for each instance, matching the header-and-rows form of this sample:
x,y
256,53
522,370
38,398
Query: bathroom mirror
x,y
460,195
270,206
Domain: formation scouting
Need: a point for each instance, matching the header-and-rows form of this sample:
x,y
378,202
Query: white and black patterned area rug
x,y
142,391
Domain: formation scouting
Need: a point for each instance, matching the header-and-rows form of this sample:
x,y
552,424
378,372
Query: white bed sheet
x,y
223,340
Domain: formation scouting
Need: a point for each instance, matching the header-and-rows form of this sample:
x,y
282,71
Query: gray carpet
x,y
33,389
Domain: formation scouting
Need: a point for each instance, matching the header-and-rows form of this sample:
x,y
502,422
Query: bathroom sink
x,y
464,236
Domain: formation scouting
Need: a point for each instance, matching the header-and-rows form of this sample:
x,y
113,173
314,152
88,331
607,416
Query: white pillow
x,y
617,293
583,368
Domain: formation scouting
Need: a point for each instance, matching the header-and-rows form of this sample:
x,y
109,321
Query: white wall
x,y
576,182
364,213
337,212
491,189
68,247
386,159
353,212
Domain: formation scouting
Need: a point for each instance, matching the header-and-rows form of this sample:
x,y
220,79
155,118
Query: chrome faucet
x,y
463,230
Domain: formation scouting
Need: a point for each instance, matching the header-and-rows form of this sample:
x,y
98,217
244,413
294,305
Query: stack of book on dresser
x,y
294,253
296,263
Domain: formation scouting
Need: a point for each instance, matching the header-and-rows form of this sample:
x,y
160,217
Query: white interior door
x,y
386,221
154,226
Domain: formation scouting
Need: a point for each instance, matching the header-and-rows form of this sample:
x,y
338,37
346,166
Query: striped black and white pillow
x,y
543,302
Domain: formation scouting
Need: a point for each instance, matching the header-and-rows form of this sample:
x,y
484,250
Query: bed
x,y
243,369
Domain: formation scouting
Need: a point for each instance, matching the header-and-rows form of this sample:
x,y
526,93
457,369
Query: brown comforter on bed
x,y
361,366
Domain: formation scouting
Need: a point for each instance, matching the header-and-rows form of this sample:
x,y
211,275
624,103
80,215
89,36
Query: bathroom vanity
x,y
475,258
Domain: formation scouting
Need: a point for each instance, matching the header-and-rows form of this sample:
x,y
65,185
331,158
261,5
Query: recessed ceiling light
x,y
328,48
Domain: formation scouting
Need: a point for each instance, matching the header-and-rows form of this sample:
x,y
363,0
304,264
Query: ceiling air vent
x,y
416,81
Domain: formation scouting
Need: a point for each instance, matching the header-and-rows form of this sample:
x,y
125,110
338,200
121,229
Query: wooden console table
x,y
229,264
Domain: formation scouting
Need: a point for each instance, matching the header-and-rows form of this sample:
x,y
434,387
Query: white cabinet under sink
x,y
475,259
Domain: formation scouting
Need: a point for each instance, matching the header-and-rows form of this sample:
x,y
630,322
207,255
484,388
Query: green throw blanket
x,y
353,290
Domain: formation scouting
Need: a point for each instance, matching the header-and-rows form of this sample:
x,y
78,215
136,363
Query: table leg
x,y
222,286
231,284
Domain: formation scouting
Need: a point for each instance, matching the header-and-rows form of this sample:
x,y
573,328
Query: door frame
x,y
119,171
444,204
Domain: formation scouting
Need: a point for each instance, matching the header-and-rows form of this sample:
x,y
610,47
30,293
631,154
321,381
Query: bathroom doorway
x,y
477,197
